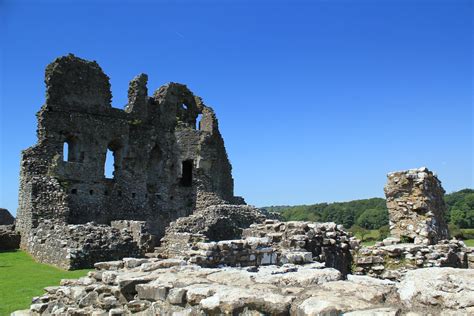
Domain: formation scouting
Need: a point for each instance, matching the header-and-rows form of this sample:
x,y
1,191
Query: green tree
x,y
373,219
359,232
455,231
458,218
384,232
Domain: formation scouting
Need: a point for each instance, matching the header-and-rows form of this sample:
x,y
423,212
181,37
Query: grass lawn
x,y
370,238
469,242
21,278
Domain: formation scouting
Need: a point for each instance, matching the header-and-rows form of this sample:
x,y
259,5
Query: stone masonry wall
x,y
416,206
80,246
265,243
324,242
391,261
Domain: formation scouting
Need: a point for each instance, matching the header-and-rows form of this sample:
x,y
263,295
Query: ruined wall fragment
x,y
416,206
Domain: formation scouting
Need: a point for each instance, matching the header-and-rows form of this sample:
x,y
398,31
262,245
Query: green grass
x,y
370,238
469,242
21,278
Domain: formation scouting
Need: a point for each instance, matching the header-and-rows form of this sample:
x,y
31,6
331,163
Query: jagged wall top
x,y
415,205
76,83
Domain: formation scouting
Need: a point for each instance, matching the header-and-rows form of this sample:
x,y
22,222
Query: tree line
x,y
372,213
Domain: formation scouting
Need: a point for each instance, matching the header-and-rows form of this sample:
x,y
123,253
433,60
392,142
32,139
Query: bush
x,y
384,232
455,231
468,233
359,232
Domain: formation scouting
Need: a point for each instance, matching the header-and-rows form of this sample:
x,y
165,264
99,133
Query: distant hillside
x,y
372,213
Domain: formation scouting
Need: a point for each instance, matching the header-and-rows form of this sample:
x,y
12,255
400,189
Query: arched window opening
x,y
109,167
184,106
65,151
187,173
198,121
112,160
70,151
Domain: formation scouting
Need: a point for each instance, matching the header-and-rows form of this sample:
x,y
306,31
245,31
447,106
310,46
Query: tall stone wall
x,y
169,157
416,206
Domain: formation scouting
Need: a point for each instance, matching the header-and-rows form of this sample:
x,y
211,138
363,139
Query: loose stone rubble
x,y
173,287
393,260
416,206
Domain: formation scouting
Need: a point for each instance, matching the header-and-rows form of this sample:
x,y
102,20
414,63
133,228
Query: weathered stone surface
x,y
177,288
434,287
302,242
392,261
416,206
169,158
218,222
383,311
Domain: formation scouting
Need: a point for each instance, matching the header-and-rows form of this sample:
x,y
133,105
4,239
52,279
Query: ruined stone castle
x,y
169,160
182,243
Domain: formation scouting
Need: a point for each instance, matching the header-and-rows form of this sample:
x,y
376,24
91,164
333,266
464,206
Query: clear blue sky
x,y
317,100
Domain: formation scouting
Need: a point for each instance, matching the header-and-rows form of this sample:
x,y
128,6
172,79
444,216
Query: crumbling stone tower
x,y
416,206
168,154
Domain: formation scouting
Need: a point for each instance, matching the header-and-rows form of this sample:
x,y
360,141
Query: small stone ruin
x,y
416,206
419,234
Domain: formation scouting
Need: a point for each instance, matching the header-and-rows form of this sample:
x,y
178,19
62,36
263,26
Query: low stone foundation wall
x,y
271,242
392,261
80,246
325,242
242,252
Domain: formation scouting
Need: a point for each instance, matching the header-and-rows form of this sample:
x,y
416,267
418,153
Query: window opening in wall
x,y
134,195
187,173
91,192
70,151
65,151
198,121
74,191
106,192
109,165
119,193
184,106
